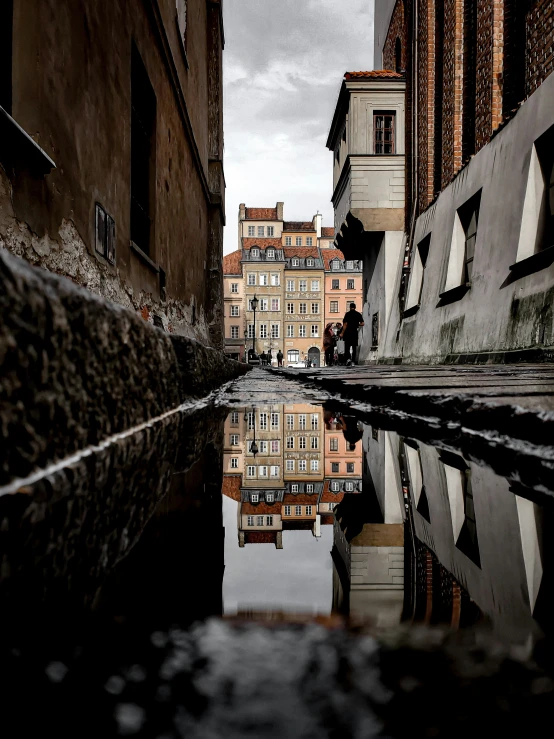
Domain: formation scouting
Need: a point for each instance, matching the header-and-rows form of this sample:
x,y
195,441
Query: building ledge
x,y
144,258
17,146
454,294
411,311
530,265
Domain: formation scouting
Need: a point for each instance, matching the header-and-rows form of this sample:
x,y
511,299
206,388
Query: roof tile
x,y
260,537
261,214
231,486
248,242
374,74
301,251
298,226
231,263
328,232
330,254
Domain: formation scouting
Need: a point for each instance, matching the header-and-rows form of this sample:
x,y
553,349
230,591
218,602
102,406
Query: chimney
x,y
317,221
242,212
280,208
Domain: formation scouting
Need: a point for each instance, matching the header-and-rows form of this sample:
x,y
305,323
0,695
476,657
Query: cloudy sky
x,y
283,65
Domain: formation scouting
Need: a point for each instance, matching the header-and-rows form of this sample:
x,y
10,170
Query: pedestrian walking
x,y
329,343
279,358
269,358
351,322
263,358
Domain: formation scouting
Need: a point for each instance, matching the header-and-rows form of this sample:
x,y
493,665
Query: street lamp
x,y
253,445
254,305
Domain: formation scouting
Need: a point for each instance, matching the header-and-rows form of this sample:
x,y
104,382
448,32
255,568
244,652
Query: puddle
x,y
281,544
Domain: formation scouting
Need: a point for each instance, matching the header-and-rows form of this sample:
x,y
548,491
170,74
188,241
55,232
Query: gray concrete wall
x,y
382,16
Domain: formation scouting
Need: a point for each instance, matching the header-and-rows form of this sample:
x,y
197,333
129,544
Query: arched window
x,y
398,56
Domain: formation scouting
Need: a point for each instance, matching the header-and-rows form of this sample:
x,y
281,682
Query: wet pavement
x,y
296,566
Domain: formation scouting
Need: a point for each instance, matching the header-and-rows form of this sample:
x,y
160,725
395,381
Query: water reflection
x,y
410,532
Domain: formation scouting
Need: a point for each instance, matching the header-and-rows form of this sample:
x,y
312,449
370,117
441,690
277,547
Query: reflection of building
x,y
275,469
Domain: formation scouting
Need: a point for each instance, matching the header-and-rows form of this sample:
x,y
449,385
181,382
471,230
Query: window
x,y
462,245
309,262
263,447
537,223
335,264
301,442
263,304
255,498
350,284
234,332
287,510
290,331
315,421
301,465
469,216
269,498
350,468
234,418
302,421
275,304
250,471
234,463
303,307
290,465
255,252
290,286
315,331
335,487
251,279
251,420
309,488
383,133
349,487
290,308
295,262
275,279
269,520
275,421
251,331
263,331
298,510
270,253
251,230
349,264
263,421
335,467
315,286
290,442
334,306
270,230
275,471
274,330
299,241
335,284
293,356
314,465
234,439
235,310
263,280
262,471
234,287
294,488
288,241
308,510
261,230
250,520
290,417
143,155
315,442
303,286
275,446
333,444
259,520
315,307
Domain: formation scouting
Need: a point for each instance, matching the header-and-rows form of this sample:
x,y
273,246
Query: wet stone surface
x,y
276,563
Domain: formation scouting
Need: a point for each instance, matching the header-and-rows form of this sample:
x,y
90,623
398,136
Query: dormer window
x,y
295,262
255,253
309,263
349,265
269,498
270,253
335,486
335,264
349,487
255,498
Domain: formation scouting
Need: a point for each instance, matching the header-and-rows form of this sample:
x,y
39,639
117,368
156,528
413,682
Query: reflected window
x,y
234,439
308,510
350,468
298,510
335,467
260,520
269,497
314,465
250,520
234,463
462,509
294,488
269,520
349,487
250,471
287,510
255,498
315,442
262,471
290,465
302,465
290,442
334,486
275,471
302,421
301,442
333,444
309,488
234,418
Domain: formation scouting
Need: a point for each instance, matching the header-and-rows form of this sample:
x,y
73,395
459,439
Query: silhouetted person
x,y
279,358
351,322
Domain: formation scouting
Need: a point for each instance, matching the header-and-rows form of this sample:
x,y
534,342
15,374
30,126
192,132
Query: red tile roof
x,y
252,509
327,519
300,499
249,241
231,486
302,525
261,214
301,251
328,497
330,254
328,232
260,537
231,263
298,226
374,74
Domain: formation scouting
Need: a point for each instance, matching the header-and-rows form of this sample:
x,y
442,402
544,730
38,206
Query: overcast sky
x,y
283,65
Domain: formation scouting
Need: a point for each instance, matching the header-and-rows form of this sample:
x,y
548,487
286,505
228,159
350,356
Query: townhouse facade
x,y
284,265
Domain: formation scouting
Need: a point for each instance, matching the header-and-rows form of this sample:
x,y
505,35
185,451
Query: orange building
x,y
343,285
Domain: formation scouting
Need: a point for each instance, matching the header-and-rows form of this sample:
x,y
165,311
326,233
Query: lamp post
x,y
253,445
254,304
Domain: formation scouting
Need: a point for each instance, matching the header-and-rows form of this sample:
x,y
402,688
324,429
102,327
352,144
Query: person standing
x,y
329,342
279,358
351,322
269,358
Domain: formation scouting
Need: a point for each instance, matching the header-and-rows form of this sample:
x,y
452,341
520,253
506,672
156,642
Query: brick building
x,y
111,163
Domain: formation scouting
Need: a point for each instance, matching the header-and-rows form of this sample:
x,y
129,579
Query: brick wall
x,y
490,46
539,43
452,90
426,101
397,30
